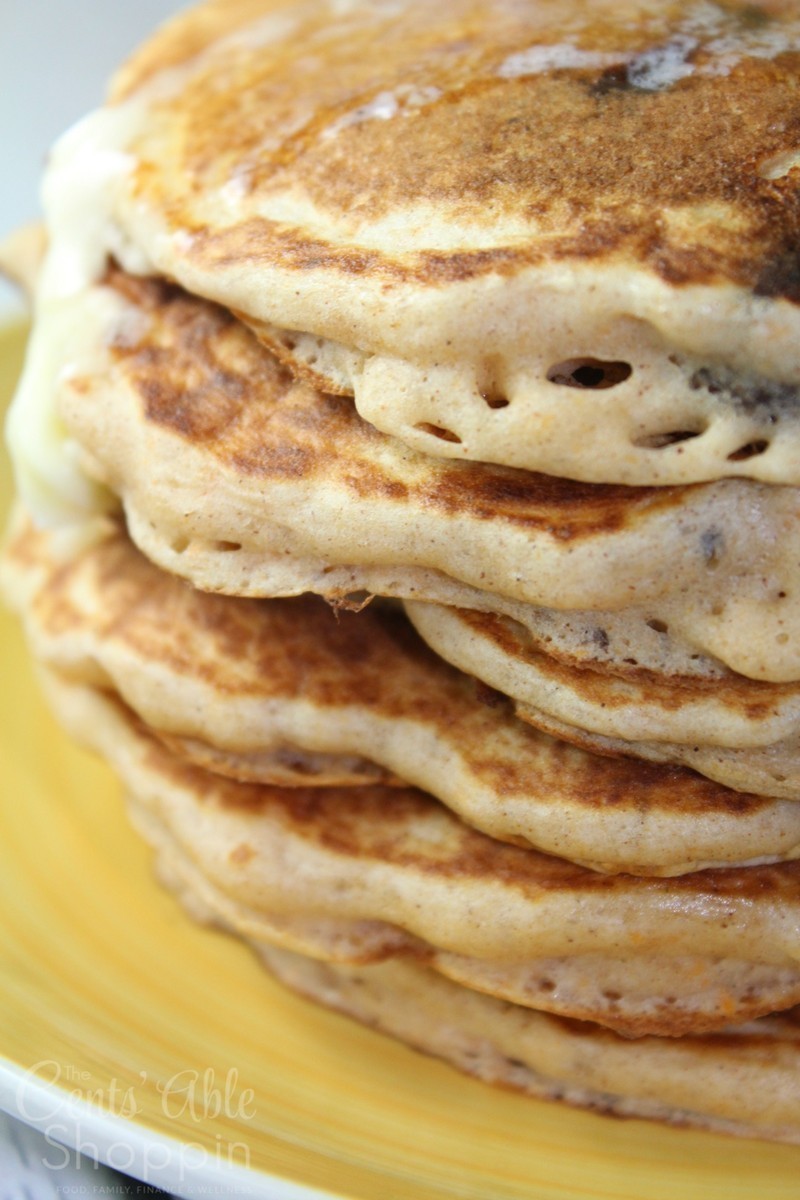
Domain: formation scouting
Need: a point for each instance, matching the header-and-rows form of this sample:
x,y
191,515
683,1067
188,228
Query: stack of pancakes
x,y
452,353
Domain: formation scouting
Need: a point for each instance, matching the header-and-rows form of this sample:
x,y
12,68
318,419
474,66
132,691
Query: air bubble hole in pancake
x,y
444,435
657,441
749,451
589,373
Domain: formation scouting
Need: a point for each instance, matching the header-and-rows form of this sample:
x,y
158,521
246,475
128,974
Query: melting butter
x,y
84,173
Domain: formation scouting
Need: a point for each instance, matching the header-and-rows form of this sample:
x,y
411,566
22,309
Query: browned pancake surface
x,y
202,375
587,157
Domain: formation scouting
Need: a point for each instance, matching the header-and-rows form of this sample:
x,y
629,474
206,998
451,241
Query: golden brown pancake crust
x,y
588,153
750,697
171,380
297,648
201,375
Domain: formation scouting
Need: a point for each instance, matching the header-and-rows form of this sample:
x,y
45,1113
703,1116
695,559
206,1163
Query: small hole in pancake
x,y
227,547
589,373
495,399
489,383
782,639
751,450
444,435
658,626
657,441
180,545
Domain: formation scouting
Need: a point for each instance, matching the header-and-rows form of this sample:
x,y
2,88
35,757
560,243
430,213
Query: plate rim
x,y
36,1102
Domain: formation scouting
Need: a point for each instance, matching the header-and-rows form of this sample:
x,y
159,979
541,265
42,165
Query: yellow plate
x,y
167,1048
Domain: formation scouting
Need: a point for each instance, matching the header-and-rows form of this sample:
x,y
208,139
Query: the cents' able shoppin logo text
x,y
189,1095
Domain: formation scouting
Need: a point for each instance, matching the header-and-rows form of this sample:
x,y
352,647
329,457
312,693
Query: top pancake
x,y
508,228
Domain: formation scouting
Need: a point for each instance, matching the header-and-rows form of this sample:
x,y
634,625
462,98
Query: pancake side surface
x,y
287,692
195,397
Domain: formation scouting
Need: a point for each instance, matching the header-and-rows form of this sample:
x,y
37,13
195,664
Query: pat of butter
x,y
86,168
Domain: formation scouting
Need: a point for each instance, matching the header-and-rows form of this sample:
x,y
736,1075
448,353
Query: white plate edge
x,y
154,1158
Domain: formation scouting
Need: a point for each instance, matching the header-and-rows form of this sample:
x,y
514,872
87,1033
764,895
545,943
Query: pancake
x,y
745,725
367,873
491,309
508,228
164,393
771,770
741,1081
286,692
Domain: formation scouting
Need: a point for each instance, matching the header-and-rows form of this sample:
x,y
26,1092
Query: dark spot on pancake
x,y
600,638
780,276
765,399
576,1029
612,81
490,696
712,544
751,16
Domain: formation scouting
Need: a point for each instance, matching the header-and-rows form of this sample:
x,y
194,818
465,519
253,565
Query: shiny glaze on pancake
x,y
511,231
590,153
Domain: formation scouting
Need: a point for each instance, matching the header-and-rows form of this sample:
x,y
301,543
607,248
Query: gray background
x,y
55,57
